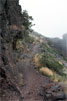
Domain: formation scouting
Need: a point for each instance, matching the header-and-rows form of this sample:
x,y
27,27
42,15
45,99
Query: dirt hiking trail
x,y
33,80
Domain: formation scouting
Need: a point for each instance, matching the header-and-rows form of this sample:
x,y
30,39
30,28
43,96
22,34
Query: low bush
x,y
51,63
49,59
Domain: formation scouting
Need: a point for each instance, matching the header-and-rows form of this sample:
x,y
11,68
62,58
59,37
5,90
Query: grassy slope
x,y
51,58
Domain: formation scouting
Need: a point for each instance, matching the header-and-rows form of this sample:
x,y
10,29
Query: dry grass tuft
x,y
46,71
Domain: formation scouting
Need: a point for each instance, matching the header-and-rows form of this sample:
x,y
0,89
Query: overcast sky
x,y
50,16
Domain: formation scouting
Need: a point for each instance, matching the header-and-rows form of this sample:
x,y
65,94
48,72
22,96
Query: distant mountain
x,y
60,45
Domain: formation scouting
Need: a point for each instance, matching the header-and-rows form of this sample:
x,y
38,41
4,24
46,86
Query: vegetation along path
x,y
32,78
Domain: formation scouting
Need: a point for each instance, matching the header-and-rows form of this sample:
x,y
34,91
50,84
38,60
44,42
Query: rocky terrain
x,y
20,78
11,21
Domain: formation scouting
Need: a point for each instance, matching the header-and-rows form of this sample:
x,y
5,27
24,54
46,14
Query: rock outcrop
x,y
11,22
54,92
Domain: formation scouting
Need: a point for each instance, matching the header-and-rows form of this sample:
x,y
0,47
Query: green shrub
x,y
27,20
27,38
51,62
47,48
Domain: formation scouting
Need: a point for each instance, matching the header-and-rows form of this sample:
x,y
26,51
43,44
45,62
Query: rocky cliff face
x,y
11,28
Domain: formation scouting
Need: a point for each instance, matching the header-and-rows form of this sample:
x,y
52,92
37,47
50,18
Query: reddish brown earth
x,y
32,78
33,81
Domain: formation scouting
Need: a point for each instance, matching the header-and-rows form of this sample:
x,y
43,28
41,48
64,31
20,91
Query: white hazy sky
x,y
50,16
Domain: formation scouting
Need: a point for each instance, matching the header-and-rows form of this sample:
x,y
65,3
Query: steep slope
x,y
34,82
11,22
49,48
16,65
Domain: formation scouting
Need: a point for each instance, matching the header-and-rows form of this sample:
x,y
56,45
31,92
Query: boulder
x,y
54,92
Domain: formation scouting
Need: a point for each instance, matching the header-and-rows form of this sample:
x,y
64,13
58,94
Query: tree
x,y
27,20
